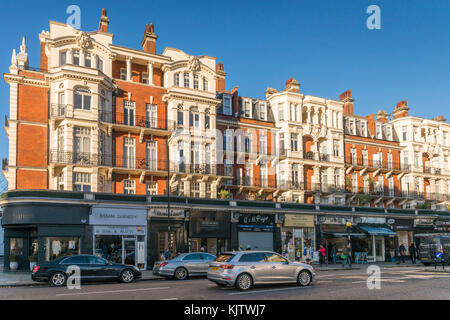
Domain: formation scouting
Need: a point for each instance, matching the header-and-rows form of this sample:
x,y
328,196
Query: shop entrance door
x,y
129,251
379,249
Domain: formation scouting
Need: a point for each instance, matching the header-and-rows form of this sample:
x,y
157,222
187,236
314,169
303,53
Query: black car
x,y
92,268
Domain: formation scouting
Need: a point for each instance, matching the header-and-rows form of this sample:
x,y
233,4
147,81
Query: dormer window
x,y
379,132
363,129
226,105
247,109
262,111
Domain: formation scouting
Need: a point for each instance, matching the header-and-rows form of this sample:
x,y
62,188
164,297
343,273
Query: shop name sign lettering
x,y
334,220
114,230
163,213
118,216
257,219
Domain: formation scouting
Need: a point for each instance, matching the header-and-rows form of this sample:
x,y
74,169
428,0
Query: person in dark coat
x,y
413,252
402,251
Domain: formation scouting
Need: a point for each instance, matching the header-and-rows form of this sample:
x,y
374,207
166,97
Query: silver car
x,y
184,265
244,269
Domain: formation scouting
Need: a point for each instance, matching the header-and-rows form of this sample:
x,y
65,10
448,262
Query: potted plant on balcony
x,y
33,261
13,263
224,194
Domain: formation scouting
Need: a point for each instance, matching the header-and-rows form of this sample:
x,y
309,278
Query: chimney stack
x,y
149,41
346,97
292,85
401,110
104,22
382,116
220,82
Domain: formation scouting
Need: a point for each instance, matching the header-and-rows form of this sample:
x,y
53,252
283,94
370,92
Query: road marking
x,y
269,290
170,299
111,291
405,278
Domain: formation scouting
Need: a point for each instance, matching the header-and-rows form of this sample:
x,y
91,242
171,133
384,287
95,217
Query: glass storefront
x,y
55,247
297,243
118,248
16,246
210,245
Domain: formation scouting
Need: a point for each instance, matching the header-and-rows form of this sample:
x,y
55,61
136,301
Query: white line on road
x,y
269,290
404,278
170,299
111,291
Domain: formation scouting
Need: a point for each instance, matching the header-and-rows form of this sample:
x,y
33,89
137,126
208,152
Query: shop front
x,y
431,236
165,234
378,245
404,228
257,231
43,231
209,231
334,235
297,236
120,234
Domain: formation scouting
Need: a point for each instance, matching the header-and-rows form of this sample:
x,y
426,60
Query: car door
x,y
100,268
258,266
80,262
193,263
207,259
282,269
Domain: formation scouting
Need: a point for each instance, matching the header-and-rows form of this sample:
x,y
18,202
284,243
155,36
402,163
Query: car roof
x,y
247,251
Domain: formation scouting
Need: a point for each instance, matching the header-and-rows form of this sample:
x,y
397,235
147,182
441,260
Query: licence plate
x,y
214,268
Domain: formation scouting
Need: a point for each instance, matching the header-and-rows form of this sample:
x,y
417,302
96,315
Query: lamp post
x,y
349,225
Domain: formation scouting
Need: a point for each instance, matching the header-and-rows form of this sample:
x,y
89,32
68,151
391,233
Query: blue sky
x,y
324,44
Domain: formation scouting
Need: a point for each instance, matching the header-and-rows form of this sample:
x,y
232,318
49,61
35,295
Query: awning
x,y
379,231
344,235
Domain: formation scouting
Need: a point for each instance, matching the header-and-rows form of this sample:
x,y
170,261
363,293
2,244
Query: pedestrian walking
x,y
412,252
402,250
334,253
347,256
322,254
166,254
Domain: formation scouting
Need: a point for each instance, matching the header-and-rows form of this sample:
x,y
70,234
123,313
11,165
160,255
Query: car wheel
x,y
181,274
304,278
244,282
127,276
58,279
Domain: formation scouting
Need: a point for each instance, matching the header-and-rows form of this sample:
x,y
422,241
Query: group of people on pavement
x,y
346,255
413,253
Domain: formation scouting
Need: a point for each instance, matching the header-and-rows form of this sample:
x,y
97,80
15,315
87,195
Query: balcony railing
x,y
133,121
376,164
58,110
308,155
436,171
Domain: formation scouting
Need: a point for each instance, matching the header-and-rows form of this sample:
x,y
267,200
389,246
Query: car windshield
x,y
224,258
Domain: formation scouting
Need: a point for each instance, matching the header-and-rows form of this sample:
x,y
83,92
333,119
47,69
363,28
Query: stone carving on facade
x,y
83,40
194,64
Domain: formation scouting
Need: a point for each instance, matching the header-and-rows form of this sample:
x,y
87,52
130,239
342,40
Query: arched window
x,y
194,117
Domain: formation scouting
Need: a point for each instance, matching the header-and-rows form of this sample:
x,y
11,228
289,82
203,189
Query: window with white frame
x,y
81,181
379,131
176,79
62,58
151,155
76,57
294,142
354,183
186,79
60,181
207,119
336,148
248,143
129,186
208,190
380,184
226,105
194,117
87,59
263,173
363,129
353,155
404,133
82,145
128,152
195,189
389,133
263,143
366,183
128,112
82,98
205,84
391,186
365,157
151,188
280,112
151,115
247,109
180,115
123,74
262,111
389,159
145,78
99,63
196,81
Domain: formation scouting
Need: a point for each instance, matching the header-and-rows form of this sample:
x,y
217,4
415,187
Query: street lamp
x,y
349,225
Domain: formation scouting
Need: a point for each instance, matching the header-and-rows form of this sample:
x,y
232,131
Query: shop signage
x,y
390,221
209,224
372,220
403,224
119,230
299,220
442,226
423,222
334,220
162,213
257,220
114,216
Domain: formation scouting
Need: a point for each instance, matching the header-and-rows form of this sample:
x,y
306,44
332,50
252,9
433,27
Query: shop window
x,y
109,247
56,247
16,246
163,243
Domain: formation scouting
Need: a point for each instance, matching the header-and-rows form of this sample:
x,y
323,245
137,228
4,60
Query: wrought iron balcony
x,y
133,121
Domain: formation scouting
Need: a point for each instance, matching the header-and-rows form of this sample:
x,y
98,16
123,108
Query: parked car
x,y
92,268
184,265
244,269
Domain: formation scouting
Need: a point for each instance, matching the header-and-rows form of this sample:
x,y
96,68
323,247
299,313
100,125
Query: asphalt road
x,y
396,283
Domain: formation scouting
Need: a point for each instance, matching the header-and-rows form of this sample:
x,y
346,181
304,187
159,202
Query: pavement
x,y
394,283
23,278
